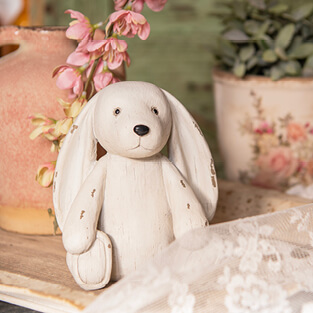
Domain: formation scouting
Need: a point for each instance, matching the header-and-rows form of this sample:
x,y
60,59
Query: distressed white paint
x,y
139,198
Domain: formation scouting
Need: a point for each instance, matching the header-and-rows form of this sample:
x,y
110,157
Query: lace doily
x,y
262,264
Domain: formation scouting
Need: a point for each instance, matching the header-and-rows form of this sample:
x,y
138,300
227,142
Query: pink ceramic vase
x,y
27,87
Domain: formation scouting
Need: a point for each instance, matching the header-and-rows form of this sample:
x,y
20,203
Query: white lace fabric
x,y
262,264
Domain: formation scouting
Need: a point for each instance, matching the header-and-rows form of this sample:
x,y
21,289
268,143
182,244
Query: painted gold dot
x,y
74,128
213,181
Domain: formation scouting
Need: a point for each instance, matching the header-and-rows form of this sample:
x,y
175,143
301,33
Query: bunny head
x,y
132,121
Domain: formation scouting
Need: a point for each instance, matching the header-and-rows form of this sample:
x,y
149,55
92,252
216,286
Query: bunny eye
x,y
155,111
117,111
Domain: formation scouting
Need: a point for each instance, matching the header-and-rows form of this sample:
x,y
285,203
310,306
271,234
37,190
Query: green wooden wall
x,y
177,55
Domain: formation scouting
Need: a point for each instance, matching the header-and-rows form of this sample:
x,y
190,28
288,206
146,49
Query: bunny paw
x,y
92,269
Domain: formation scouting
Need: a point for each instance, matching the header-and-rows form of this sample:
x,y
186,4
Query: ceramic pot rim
x,y
229,78
34,28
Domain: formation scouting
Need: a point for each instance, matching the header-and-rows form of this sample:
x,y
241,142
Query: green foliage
x,y
266,37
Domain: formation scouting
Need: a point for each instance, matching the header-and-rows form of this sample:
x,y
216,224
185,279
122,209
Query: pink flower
x,y
264,128
104,79
119,4
137,5
156,5
296,132
102,76
128,23
113,51
80,28
78,58
69,78
275,167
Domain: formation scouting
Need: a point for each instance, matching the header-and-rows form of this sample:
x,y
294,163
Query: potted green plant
x,y
264,93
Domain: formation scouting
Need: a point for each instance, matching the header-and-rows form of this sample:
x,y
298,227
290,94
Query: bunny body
x,y
126,207
132,218
137,214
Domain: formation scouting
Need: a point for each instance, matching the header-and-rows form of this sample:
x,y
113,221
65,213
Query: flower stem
x,y
94,66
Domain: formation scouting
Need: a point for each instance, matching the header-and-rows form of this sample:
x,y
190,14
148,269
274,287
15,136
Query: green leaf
x,y
246,53
278,8
236,35
239,70
302,12
284,36
228,49
274,27
281,53
251,27
228,61
261,33
292,68
252,63
277,73
306,31
269,56
265,42
234,24
302,51
240,10
297,41
259,4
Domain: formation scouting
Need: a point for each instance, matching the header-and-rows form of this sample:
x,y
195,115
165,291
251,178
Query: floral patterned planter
x,y
265,129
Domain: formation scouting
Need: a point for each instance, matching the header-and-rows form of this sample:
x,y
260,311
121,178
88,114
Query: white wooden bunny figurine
x,y
119,211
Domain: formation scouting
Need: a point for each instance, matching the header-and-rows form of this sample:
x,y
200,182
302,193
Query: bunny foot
x,y
92,269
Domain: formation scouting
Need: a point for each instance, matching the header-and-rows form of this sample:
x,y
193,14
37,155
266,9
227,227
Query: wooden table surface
x,y
34,274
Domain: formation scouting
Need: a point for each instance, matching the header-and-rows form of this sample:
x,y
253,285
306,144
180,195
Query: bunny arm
x,y
187,212
80,227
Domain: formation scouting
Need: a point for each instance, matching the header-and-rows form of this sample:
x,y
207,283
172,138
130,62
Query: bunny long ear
x,y
190,153
76,159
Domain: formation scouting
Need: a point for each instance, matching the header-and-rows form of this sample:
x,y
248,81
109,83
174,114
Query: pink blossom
x,y
80,28
69,78
156,5
296,132
275,167
104,79
128,23
137,5
113,51
78,58
119,4
264,128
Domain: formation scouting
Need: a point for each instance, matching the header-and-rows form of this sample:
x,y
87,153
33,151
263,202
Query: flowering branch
x,y
91,67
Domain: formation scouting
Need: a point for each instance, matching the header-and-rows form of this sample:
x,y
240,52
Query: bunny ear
x,y
190,153
76,159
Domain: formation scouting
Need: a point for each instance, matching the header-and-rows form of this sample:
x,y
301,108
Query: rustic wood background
x,y
177,55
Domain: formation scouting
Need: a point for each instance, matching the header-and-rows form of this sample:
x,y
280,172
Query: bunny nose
x,y
141,130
